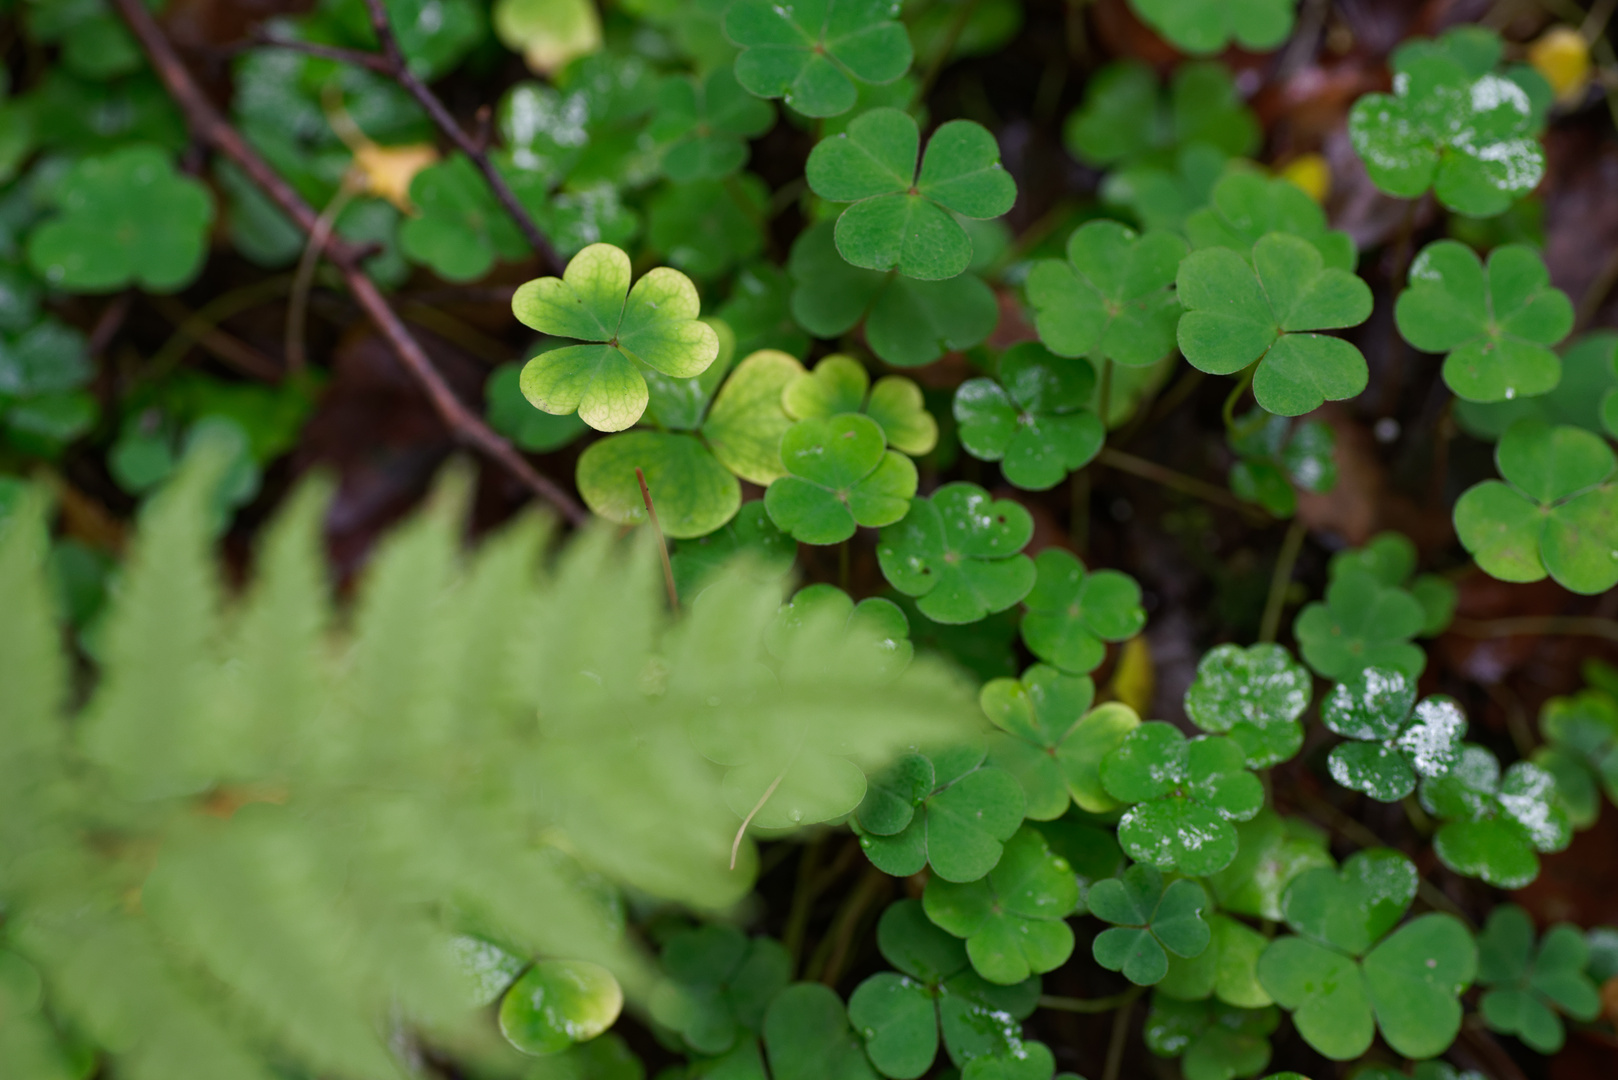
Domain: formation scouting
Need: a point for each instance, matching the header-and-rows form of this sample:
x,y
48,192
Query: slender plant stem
x,y
662,549
805,889
833,951
1285,561
1546,625
211,128
303,279
1229,411
369,60
399,70
211,314
1120,1033
228,348
1178,481
1084,1005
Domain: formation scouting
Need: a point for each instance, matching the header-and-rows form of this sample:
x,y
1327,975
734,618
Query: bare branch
x,y
213,129
474,148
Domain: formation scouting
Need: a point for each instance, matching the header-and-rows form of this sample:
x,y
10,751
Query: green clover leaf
x,y
1469,137
745,424
1212,1041
1556,514
1052,741
809,53
717,985
1398,739
1033,420
692,493
1390,558
705,227
655,324
126,218
839,475
1163,196
1246,206
1495,324
874,624
1581,751
959,553
900,1016
840,384
1272,851
459,228
510,414
557,1003
901,217
1201,27
1149,921
1111,297
950,811
1012,919
1237,315
1361,623
1254,695
1126,116
1408,982
1528,986
1277,458
43,371
807,1037
1185,796
705,124
1494,824
908,323
1072,613
750,533
1226,969
1589,376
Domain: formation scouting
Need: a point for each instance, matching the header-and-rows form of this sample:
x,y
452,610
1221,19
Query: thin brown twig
x,y
1544,625
109,322
1169,478
228,348
212,129
372,61
662,543
399,71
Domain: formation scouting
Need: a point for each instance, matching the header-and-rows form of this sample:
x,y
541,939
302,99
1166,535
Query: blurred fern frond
x,y
259,840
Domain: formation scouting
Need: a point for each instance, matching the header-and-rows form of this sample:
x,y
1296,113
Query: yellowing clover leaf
x,y
807,52
839,474
1034,420
901,217
1493,823
1496,324
1111,297
1556,514
1469,137
655,324
840,384
1237,315
1201,27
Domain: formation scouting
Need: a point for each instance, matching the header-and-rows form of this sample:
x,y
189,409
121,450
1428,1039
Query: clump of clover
x,y
1033,418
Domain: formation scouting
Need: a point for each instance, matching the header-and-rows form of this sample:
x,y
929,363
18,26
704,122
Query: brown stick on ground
x,y
213,129
399,71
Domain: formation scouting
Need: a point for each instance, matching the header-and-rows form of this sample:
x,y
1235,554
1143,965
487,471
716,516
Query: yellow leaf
x,y
548,33
1563,56
1310,172
1134,680
388,170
